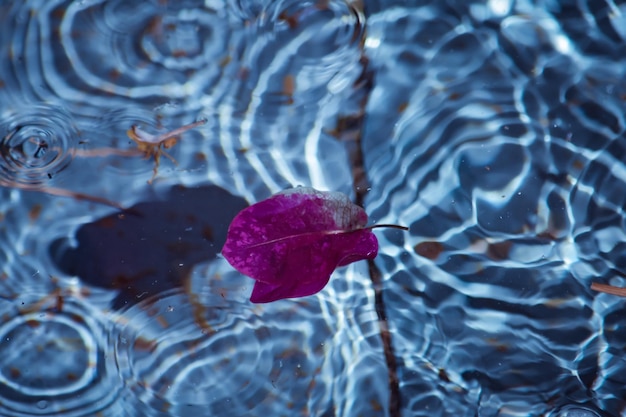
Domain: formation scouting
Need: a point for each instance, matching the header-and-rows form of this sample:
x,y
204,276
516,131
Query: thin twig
x,y
609,289
60,192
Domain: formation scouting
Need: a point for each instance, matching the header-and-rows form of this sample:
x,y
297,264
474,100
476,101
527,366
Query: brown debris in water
x,y
608,289
153,146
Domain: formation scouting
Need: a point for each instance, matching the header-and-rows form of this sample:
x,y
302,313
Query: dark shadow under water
x,y
155,247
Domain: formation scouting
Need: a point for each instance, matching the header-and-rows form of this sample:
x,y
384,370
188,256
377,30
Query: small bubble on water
x,y
42,404
578,412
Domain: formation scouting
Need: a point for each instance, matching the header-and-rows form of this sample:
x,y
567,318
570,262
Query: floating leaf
x,y
293,241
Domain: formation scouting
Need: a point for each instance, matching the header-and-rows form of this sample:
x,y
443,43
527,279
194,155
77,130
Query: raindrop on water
x,y
577,412
37,143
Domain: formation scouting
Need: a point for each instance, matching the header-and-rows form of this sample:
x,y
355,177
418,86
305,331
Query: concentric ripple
x,y
167,51
275,73
495,129
38,142
52,358
304,50
101,54
210,352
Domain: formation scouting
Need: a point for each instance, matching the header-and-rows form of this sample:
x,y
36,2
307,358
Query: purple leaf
x,y
293,241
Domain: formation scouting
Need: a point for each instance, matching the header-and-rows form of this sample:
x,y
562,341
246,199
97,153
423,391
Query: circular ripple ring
x,y
37,144
52,358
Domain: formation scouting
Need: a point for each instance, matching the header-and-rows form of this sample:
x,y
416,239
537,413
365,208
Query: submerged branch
x,y
349,131
61,192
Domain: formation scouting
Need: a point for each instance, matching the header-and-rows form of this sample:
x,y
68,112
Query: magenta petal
x,y
293,241
265,293
365,248
309,279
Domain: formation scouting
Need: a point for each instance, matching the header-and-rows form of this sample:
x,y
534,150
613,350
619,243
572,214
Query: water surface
x,y
494,130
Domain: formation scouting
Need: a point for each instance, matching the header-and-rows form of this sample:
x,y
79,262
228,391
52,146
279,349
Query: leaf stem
x,y
391,226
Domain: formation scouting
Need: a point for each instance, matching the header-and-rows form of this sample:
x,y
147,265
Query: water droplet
x,y
42,404
577,412
38,144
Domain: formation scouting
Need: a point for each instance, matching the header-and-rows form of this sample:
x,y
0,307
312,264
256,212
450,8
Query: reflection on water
x,y
505,162
210,352
495,130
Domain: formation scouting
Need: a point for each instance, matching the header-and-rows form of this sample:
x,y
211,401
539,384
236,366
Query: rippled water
x,y
494,129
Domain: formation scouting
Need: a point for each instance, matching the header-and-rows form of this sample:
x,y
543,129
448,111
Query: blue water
x,y
493,129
